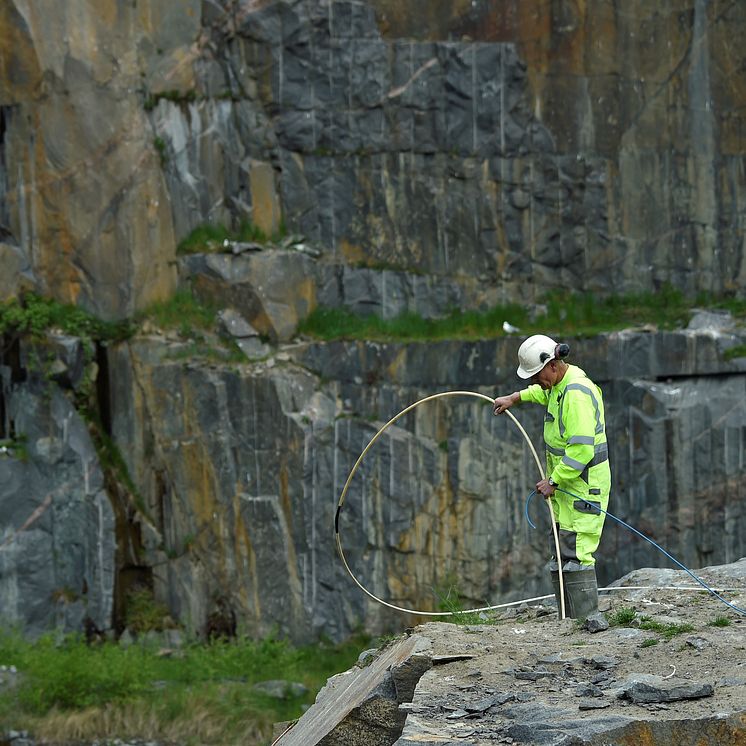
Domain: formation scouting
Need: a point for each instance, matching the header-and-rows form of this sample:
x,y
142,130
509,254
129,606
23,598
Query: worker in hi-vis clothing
x,y
577,461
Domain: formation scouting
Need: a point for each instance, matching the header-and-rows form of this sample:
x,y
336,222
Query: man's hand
x,y
506,402
545,488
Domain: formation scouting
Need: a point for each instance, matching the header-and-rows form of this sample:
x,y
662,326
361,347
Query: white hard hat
x,y
534,354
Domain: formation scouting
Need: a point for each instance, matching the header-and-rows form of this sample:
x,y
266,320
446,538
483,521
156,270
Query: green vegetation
x,y
623,617
720,621
160,145
15,446
581,314
209,237
144,614
735,306
182,312
626,617
667,631
35,315
195,321
649,642
200,347
337,323
451,600
199,694
734,352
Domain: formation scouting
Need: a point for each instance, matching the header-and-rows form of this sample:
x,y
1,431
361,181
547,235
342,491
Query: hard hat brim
x,y
526,374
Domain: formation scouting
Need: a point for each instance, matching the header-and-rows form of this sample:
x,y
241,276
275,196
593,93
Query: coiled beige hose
x,y
346,487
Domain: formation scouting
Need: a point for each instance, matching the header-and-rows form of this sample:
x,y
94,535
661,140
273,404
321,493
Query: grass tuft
x,y
623,617
667,631
143,613
182,312
735,352
451,600
210,237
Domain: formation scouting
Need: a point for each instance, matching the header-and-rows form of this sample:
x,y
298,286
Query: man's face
x,y
545,377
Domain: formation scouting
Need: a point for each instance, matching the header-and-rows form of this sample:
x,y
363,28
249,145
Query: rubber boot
x,y
581,590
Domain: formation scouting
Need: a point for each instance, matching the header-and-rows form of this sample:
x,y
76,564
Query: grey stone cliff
x,y
57,526
509,146
241,469
476,155
231,472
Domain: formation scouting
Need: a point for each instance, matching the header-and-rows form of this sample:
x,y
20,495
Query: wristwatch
x,y
552,482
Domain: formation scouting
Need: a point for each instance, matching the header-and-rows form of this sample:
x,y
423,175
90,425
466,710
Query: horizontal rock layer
x,y
514,144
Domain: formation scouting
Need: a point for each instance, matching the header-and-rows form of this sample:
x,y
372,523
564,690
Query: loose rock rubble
x,y
559,682
658,667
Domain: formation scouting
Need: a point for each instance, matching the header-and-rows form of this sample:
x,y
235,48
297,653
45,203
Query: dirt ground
x,y
532,678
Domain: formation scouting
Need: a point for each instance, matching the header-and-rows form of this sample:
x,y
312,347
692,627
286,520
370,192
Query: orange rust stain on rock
x,y
63,273
245,560
641,735
397,364
437,532
200,477
20,72
285,504
351,252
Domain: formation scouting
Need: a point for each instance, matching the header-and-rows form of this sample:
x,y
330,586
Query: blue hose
x,y
641,535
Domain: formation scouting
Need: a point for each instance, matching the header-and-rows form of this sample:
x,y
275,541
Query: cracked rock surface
x,y
670,669
538,680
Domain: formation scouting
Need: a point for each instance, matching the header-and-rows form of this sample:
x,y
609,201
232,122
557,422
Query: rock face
x,y
510,145
83,195
434,155
531,679
241,468
273,289
234,472
57,532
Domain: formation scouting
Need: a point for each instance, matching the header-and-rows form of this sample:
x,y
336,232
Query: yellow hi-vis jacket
x,y
575,436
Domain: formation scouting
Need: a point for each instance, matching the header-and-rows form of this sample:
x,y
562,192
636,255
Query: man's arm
x,y
536,394
506,402
533,393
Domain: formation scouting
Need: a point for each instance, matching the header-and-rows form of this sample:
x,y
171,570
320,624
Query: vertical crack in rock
x,y
130,572
4,208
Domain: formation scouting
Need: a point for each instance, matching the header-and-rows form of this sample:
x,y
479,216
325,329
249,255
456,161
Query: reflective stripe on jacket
x,y
575,435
